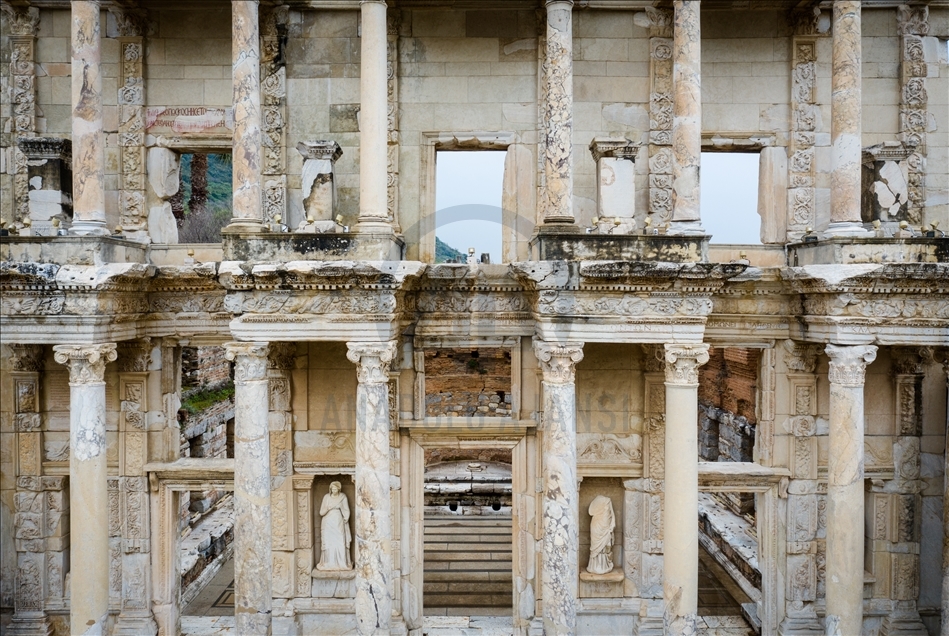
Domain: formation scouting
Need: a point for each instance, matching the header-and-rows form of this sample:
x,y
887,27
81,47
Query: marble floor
x,y
217,598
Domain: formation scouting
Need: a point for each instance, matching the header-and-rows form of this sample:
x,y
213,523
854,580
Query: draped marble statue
x,y
334,531
602,525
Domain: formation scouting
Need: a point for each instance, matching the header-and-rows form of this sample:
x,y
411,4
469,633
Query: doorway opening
x,y
468,532
468,212
729,572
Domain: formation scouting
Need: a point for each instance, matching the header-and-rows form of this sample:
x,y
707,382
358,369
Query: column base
x,y
244,226
89,228
903,622
685,228
846,228
140,625
30,624
373,225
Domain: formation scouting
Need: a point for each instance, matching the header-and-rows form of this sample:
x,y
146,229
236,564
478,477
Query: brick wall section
x,y
468,382
729,381
204,366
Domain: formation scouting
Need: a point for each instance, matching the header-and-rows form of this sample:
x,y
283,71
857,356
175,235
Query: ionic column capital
x,y
848,364
683,362
548,3
22,20
250,360
382,2
558,361
909,360
86,362
372,360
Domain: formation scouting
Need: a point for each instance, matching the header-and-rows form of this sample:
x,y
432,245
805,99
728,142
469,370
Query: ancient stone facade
x,y
591,344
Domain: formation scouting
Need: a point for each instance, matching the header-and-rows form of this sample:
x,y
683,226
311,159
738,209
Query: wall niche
x,y
331,577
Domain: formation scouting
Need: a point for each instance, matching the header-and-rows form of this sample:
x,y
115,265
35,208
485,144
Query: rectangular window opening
x,y
202,206
468,212
729,204
466,382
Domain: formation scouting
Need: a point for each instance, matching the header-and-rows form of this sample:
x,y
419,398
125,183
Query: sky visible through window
x,y
729,204
468,186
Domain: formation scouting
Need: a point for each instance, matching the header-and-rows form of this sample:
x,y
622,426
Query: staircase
x,y
468,569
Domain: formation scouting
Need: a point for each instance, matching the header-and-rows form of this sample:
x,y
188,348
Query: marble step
x,y
502,610
466,587
469,544
489,566
470,600
463,554
482,576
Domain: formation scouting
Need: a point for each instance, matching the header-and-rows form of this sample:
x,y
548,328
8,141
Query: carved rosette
x,y
683,362
249,358
558,362
86,362
372,360
914,117
848,364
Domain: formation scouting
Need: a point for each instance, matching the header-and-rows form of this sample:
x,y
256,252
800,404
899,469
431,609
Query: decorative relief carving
x,y
558,361
659,22
801,196
848,364
609,449
134,355
800,357
250,360
86,362
131,100
683,362
372,360
552,302
914,116
273,75
26,357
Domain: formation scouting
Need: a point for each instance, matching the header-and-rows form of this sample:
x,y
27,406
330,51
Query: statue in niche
x,y
602,525
334,531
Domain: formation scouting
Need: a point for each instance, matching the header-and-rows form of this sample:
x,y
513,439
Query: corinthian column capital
x,y
250,360
558,361
372,360
848,364
86,362
683,362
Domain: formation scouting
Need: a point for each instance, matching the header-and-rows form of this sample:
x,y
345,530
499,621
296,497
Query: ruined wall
x,y
468,382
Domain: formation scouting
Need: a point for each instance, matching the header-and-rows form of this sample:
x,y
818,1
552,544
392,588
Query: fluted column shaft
x,y
561,542
686,117
373,507
247,215
253,567
845,497
88,486
558,113
373,119
680,582
846,113
88,140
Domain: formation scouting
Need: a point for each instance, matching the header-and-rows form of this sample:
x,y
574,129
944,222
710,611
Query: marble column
x,y
247,215
88,140
561,543
686,118
944,631
845,497
373,119
88,488
558,113
373,507
253,567
680,581
845,122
